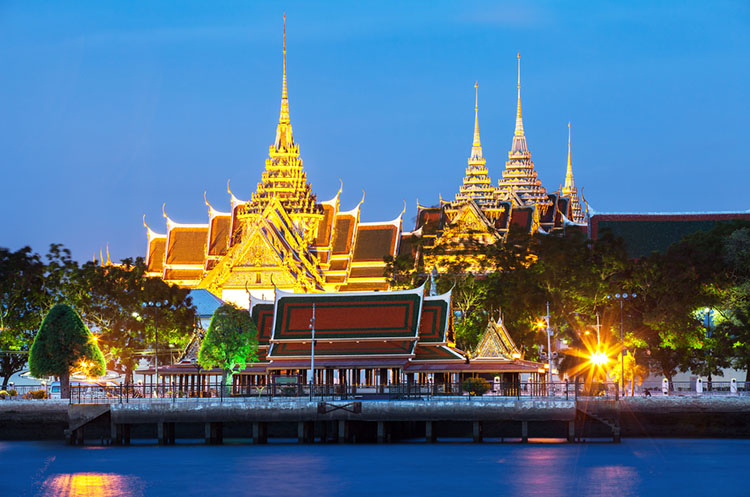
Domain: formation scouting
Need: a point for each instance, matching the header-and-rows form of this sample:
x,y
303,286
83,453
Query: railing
x,y
465,391
22,390
689,389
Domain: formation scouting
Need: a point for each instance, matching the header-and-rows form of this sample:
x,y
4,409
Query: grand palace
x,y
285,255
285,238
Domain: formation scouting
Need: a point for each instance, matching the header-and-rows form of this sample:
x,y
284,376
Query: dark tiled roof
x,y
364,287
522,217
339,265
219,235
342,234
156,255
375,242
325,227
430,219
366,272
408,244
187,245
647,233
183,274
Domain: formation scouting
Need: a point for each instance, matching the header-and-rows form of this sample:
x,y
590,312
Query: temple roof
x,y
496,343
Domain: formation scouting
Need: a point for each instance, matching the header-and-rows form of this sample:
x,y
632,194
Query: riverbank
x,y
707,417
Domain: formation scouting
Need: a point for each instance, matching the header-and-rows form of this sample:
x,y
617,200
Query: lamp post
x,y
548,330
156,304
621,298
312,350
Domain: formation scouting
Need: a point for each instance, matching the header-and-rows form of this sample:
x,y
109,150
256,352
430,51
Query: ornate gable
x,y
273,251
496,343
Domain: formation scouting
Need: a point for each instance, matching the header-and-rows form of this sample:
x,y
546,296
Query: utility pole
x,y
549,352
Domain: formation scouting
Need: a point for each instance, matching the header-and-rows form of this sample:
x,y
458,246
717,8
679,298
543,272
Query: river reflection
x,y
90,485
655,468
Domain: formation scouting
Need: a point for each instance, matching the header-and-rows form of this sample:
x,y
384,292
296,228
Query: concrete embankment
x,y
708,417
635,417
33,419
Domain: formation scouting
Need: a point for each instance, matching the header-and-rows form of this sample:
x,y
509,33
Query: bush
x,y
476,386
35,394
4,394
13,392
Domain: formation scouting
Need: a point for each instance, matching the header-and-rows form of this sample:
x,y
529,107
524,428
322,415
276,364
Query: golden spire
x,y
476,147
519,120
569,184
284,115
284,138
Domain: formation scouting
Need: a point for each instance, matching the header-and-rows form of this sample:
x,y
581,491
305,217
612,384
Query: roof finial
x,y
569,184
284,116
476,146
519,120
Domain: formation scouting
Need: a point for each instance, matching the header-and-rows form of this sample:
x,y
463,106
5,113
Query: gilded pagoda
x,y
481,215
283,237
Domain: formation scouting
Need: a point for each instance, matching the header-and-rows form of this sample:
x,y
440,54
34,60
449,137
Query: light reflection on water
x,y
655,468
90,485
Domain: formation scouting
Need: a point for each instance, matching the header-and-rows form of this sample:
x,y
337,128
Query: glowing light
x,y
598,358
89,484
516,355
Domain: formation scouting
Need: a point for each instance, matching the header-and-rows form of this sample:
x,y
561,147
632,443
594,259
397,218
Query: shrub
x,y
35,394
476,386
13,392
4,394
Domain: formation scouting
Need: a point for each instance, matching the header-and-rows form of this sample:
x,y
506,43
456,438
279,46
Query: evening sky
x,y
110,109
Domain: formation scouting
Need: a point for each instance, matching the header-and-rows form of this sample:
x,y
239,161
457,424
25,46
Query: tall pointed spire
x,y
519,179
519,119
569,183
284,178
284,138
570,190
284,115
519,139
477,185
476,146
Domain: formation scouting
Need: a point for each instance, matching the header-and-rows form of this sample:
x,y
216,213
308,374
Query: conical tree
x,y
64,343
230,342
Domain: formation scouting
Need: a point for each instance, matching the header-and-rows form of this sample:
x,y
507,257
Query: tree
x,y
230,342
22,302
124,306
734,329
63,343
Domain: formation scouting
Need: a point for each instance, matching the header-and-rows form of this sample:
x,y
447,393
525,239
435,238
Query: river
x,y
636,467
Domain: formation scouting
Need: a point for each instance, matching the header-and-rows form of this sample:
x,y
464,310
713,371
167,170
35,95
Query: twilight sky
x,y
109,109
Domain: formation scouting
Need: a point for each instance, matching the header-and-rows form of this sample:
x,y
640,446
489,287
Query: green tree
x,y
733,331
63,343
22,303
230,342
126,307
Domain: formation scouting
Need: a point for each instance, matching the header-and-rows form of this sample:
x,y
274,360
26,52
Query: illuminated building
x,y
456,231
366,339
283,237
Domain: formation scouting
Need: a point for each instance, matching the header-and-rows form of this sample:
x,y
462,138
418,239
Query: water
x,y
641,467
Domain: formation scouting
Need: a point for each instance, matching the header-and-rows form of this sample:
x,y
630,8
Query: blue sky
x,y
109,109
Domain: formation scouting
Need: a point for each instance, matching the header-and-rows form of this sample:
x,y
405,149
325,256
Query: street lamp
x,y
156,305
621,297
548,330
312,350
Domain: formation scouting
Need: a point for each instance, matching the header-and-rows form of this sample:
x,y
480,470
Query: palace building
x,y
362,339
283,237
482,214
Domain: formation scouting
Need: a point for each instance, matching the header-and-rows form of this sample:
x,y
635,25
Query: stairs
x,y
606,412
